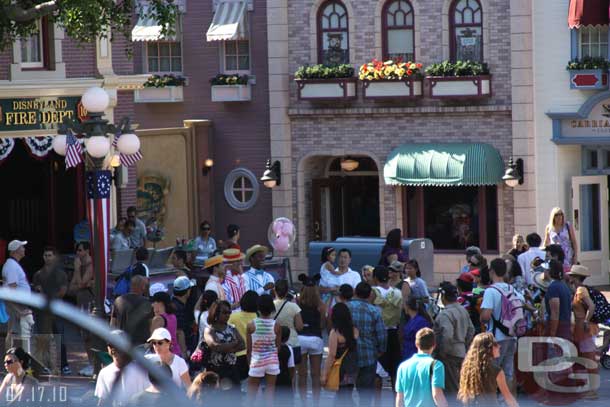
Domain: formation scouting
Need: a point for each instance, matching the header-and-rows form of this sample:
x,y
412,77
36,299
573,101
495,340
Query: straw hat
x,y
255,249
232,255
540,281
213,261
578,270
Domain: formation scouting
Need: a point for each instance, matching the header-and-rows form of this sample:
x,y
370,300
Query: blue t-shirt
x,y
492,299
559,289
413,380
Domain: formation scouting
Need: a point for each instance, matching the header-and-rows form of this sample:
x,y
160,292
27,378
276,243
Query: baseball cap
x,y
183,283
475,273
160,334
157,288
16,244
397,266
467,277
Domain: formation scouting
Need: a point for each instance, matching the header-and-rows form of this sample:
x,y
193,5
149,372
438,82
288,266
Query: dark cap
x,y
449,291
381,274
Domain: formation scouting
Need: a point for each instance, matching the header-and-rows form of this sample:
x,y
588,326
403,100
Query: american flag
x,y
98,213
74,152
126,159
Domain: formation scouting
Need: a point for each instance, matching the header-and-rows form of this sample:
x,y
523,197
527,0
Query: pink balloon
x,y
288,229
277,227
281,244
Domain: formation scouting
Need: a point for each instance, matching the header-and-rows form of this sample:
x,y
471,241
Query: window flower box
x,y
167,94
448,87
326,89
588,73
392,89
231,93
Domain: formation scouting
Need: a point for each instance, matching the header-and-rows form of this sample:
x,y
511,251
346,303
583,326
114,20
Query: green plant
x,y
457,68
324,71
161,81
588,63
222,79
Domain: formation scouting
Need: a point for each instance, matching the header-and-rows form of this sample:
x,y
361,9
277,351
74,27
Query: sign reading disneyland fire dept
x,y
43,113
590,124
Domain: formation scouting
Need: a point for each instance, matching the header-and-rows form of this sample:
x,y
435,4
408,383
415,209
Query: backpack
x,y
602,307
123,283
474,311
512,320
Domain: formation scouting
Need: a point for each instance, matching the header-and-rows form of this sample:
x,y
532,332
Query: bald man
x,y
132,312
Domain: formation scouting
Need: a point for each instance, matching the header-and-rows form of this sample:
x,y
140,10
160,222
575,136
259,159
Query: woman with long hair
x,y
392,249
204,385
164,316
418,318
419,288
560,231
288,314
313,311
200,313
342,343
480,378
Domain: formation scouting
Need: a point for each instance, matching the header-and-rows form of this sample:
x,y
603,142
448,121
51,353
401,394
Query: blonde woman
x,y
561,232
519,246
480,378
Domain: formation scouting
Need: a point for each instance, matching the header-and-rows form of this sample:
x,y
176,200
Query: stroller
x,y
604,339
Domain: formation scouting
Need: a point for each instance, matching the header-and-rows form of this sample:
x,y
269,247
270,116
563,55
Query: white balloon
x,y
95,100
128,143
98,146
59,144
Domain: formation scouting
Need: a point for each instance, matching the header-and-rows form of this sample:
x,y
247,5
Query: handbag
x,y
334,375
197,356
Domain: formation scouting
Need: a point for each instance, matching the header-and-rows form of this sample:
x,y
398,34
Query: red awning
x,y
588,12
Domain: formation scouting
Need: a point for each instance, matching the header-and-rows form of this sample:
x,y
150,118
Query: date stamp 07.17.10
x,y
49,394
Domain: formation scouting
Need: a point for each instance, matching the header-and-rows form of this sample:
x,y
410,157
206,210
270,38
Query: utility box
x,y
367,250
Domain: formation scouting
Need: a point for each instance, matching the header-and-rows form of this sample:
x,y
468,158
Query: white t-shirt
x,y
179,367
12,273
201,323
331,280
133,381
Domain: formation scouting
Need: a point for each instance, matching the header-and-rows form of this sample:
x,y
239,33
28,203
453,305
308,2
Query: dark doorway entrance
x,y
41,202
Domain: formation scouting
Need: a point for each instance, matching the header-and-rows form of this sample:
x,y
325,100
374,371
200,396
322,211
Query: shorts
x,y
312,345
271,369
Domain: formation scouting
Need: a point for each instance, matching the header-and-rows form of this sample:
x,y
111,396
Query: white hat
x,y
16,244
157,288
160,334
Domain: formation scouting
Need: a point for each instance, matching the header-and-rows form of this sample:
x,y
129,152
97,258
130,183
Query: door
x,y
325,215
590,206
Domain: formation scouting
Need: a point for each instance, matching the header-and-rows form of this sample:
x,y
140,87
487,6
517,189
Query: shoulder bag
x,y
334,375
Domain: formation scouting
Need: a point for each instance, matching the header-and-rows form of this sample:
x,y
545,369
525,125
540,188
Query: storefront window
x,y
454,217
593,41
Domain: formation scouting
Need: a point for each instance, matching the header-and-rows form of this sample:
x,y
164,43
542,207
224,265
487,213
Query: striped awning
x,y
147,29
444,164
229,22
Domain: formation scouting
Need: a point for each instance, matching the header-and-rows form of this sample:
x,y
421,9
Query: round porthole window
x,y
241,189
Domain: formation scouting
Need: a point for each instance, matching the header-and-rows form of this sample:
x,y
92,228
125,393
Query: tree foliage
x,y
82,20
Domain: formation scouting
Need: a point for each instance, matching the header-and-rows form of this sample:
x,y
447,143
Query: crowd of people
x,y
234,331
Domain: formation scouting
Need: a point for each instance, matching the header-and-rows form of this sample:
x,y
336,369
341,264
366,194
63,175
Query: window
x,y
333,43
398,31
164,56
237,56
466,21
596,160
593,41
241,189
454,217
33,48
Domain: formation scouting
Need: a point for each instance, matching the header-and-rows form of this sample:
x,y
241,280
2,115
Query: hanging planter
x,y
588,74
458,80
391,80
326,83
231,88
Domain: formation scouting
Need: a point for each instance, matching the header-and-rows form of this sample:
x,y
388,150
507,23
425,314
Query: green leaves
x,y
324,71
588,63
457,68
158,81
222,79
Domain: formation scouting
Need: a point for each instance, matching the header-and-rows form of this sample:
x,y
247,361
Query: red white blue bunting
x,y
39,146
6,147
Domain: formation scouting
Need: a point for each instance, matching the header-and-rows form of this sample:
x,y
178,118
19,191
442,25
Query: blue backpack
x,y
123,282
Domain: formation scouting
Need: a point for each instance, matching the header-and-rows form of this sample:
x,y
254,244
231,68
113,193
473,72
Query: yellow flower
x,y
400,72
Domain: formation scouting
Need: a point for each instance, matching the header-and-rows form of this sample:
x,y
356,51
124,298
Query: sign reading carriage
x,y
589,125
39,113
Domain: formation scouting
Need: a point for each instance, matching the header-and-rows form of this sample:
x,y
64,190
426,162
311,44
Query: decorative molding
x,y
365,111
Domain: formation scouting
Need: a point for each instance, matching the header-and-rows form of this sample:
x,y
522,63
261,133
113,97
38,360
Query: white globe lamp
x,y
59,144
95,100
128,143
98,146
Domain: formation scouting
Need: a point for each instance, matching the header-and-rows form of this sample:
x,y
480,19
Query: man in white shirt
x,y
138,237
258,279
525,259
131,378
343,274
21,319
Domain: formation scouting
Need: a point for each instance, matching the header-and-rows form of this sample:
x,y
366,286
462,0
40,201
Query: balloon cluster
x,y
281,234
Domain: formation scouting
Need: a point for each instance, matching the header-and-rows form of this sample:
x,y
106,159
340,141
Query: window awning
x,y
147,29
588,12
449,164
229,22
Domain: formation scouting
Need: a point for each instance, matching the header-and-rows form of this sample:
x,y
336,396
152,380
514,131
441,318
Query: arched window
x,y
333,43
398,30
466,20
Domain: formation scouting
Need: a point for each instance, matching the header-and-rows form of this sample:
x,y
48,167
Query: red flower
x,y
409,72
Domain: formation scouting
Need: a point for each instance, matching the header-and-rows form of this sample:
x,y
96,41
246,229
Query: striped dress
x,y
264,350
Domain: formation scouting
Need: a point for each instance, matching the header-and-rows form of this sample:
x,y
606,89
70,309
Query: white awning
x,y
147,29
229,22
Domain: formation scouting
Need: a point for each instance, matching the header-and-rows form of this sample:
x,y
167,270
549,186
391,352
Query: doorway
x,y
346,203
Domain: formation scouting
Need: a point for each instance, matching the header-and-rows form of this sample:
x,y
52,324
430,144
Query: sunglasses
x,y
9,362
205,228
158,343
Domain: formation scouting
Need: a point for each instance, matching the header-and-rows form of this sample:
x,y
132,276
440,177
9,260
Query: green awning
x,y
444,164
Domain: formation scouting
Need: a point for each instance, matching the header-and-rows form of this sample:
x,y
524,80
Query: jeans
x,y
506,361
365,383
58,330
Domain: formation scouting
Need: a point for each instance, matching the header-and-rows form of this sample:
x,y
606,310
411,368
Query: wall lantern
x,y
349,164
272,176
513,175
207,166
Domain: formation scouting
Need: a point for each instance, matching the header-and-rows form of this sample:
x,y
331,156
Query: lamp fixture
x,y
207,166
272,176
115,161
349,164
513,175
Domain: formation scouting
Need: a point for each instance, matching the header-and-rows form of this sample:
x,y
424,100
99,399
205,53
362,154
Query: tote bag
x,y
333,379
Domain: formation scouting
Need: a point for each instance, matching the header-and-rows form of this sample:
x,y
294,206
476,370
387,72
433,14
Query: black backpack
x,y
602,307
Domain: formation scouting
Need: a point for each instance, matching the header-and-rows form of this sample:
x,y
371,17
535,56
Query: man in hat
x,y
235,284
258,279
217,276
21,319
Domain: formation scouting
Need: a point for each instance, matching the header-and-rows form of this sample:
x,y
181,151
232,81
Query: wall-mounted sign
x,y
589,125
44,113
